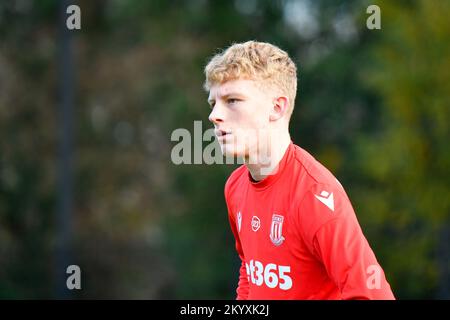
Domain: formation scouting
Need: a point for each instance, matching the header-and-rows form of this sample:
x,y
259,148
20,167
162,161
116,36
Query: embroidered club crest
x,y
276,229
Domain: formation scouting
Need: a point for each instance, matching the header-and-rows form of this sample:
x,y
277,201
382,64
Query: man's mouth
x,y
221,134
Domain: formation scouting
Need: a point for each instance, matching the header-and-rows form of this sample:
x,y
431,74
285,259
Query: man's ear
x,y
279,108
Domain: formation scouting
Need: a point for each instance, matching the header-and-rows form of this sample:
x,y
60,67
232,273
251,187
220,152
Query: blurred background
x,y
86,118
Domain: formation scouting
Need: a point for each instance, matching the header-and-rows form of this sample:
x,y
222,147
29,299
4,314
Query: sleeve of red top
x,y
243,285
335,238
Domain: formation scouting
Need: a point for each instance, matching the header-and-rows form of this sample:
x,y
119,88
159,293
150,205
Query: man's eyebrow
x,y
236,94
233,94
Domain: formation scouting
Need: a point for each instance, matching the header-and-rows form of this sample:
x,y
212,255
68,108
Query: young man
x,y
295,229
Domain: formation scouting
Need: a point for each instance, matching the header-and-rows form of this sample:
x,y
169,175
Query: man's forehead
x,y
230,87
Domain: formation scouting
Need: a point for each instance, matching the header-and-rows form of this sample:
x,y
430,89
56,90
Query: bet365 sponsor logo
x,y
270,275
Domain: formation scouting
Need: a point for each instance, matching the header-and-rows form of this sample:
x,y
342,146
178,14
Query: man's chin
x,y
230,150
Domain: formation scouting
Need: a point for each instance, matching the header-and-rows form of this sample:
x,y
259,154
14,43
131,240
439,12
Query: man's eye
x,y
232,101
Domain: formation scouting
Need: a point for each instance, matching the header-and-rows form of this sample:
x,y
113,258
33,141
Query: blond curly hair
x,y
262,62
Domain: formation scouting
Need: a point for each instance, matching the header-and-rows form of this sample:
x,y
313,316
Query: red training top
x,y
298,237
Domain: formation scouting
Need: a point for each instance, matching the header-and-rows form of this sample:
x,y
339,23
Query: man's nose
x,y
216,115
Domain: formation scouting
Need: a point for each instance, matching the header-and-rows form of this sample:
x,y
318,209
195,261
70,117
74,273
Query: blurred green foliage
x,y
373,106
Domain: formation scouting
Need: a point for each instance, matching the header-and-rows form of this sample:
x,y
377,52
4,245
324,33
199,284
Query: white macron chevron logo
x,y
327,199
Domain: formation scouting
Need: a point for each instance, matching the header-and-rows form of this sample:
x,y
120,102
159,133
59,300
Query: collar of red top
x,y
270,179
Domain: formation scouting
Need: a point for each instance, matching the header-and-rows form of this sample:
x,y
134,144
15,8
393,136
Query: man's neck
x,y
267,161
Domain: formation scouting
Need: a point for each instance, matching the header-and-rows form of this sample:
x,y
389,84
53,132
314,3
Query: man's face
x,y
240,112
